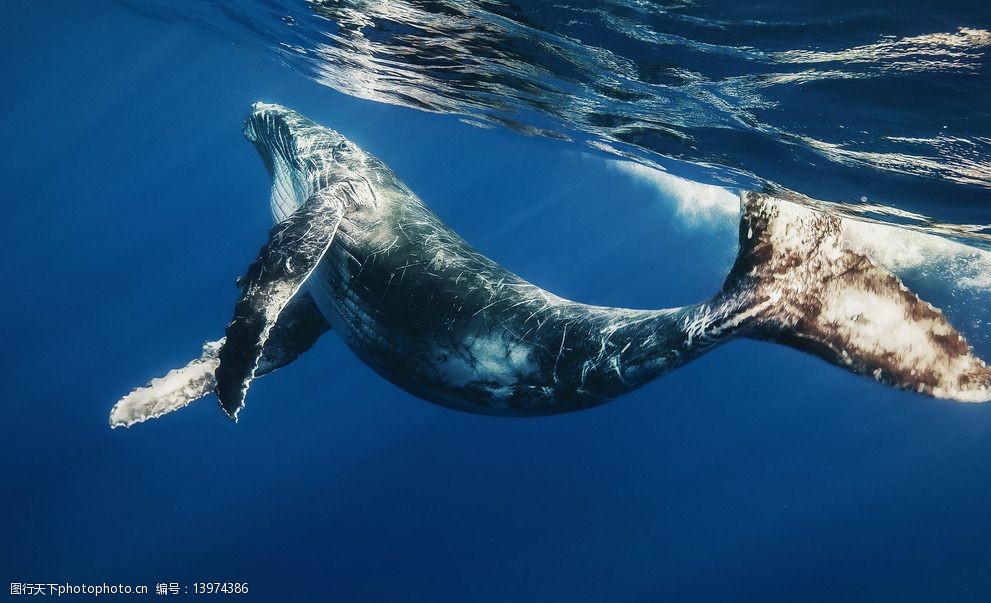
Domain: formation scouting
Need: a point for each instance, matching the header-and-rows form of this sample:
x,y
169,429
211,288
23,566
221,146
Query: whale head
x,y
282,135
301,155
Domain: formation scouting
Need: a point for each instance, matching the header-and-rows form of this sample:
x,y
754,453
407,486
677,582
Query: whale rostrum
x,y
355,251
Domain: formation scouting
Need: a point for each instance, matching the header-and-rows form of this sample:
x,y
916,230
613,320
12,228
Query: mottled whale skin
x,y
429,313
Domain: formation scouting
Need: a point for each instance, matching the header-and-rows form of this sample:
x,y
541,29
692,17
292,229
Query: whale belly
x,y
454,336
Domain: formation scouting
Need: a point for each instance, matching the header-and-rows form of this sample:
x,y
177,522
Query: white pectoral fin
x,y
178,388
295,247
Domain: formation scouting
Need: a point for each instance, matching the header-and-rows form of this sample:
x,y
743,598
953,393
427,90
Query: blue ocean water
x,y
755,473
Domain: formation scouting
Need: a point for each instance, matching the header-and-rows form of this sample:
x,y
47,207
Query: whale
x,y
354,251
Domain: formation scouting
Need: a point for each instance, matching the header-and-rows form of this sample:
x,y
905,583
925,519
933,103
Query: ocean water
x,y
755,473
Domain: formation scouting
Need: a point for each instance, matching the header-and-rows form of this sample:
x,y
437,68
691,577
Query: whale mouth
x,y
264,120
275,130
267,129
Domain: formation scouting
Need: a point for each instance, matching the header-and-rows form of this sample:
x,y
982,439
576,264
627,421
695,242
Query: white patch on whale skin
x,y
879,323
865,318
500,360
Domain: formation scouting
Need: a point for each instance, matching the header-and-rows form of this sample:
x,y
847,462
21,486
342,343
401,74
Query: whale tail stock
x,y
796,282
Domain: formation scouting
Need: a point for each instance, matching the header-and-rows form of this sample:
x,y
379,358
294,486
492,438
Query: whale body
x,y
354,251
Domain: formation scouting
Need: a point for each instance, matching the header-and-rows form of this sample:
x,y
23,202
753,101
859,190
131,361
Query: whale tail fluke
x,y
795,282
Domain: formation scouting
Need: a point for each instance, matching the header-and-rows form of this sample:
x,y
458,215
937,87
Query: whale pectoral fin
x,y
178,388
298,328
295,247
805,289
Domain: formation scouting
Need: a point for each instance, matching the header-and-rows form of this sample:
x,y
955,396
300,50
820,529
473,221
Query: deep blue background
x,y
131,204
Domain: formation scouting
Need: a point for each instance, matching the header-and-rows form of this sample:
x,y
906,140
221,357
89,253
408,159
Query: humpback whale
x,y
354,251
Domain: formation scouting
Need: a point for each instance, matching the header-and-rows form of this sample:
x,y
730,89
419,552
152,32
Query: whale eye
x,y
344,152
